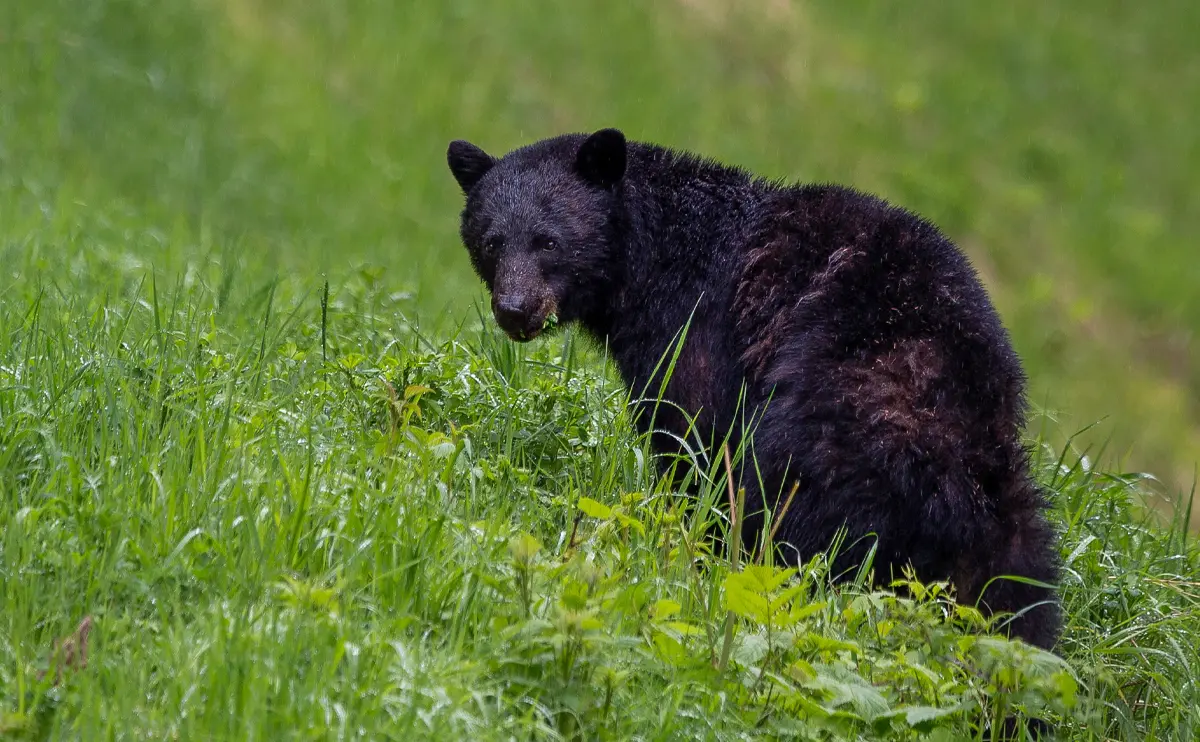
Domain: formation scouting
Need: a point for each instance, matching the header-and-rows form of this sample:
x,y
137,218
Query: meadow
x,y
264,457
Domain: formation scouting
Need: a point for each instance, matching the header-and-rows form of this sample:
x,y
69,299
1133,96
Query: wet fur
x,y
896,401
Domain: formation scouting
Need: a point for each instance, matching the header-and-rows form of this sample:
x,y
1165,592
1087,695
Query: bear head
x,y
541,225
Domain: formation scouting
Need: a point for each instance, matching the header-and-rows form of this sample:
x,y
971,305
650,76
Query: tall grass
x,y
287,512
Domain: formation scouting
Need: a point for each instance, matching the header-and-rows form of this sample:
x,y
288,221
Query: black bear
x,y
886,395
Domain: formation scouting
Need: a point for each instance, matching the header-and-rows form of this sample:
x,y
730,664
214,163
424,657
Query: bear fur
x,y
881,383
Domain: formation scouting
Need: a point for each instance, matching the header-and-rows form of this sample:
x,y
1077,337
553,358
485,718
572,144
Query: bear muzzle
x,y
522,317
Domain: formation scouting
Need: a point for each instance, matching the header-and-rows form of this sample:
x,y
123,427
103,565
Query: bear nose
x,y
510,311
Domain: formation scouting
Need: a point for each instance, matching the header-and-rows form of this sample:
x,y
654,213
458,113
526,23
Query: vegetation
x,y
265,472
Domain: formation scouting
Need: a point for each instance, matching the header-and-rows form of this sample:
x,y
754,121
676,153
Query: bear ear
x,y
601,158
468,163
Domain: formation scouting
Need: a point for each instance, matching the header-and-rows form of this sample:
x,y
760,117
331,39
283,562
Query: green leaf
x,y
848,689
628,521
785,597
415,390
664,609
742,597
925,718
863,698
802,671
683,628
825,644
574,596
767,579
749,649
801,612
1067,687
669,648
594,509
524,548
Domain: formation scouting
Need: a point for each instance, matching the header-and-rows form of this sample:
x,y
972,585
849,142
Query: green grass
x,y
252,425
292,514
1053,140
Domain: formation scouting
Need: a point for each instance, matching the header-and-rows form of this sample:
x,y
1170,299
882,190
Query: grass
x,y
251,426
290,513
1053,140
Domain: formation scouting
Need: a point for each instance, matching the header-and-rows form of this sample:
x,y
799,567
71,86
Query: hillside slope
x,y
1053,140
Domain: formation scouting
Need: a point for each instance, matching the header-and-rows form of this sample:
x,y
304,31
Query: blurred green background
x,y
1055,141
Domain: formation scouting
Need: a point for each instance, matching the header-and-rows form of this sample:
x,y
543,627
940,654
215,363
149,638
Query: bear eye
x,y
493,244
548,244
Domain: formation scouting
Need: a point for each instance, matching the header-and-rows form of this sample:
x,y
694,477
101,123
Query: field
x,y
262,455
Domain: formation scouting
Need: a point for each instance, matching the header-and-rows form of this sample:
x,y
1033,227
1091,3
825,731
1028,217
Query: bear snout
x,y
521,316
